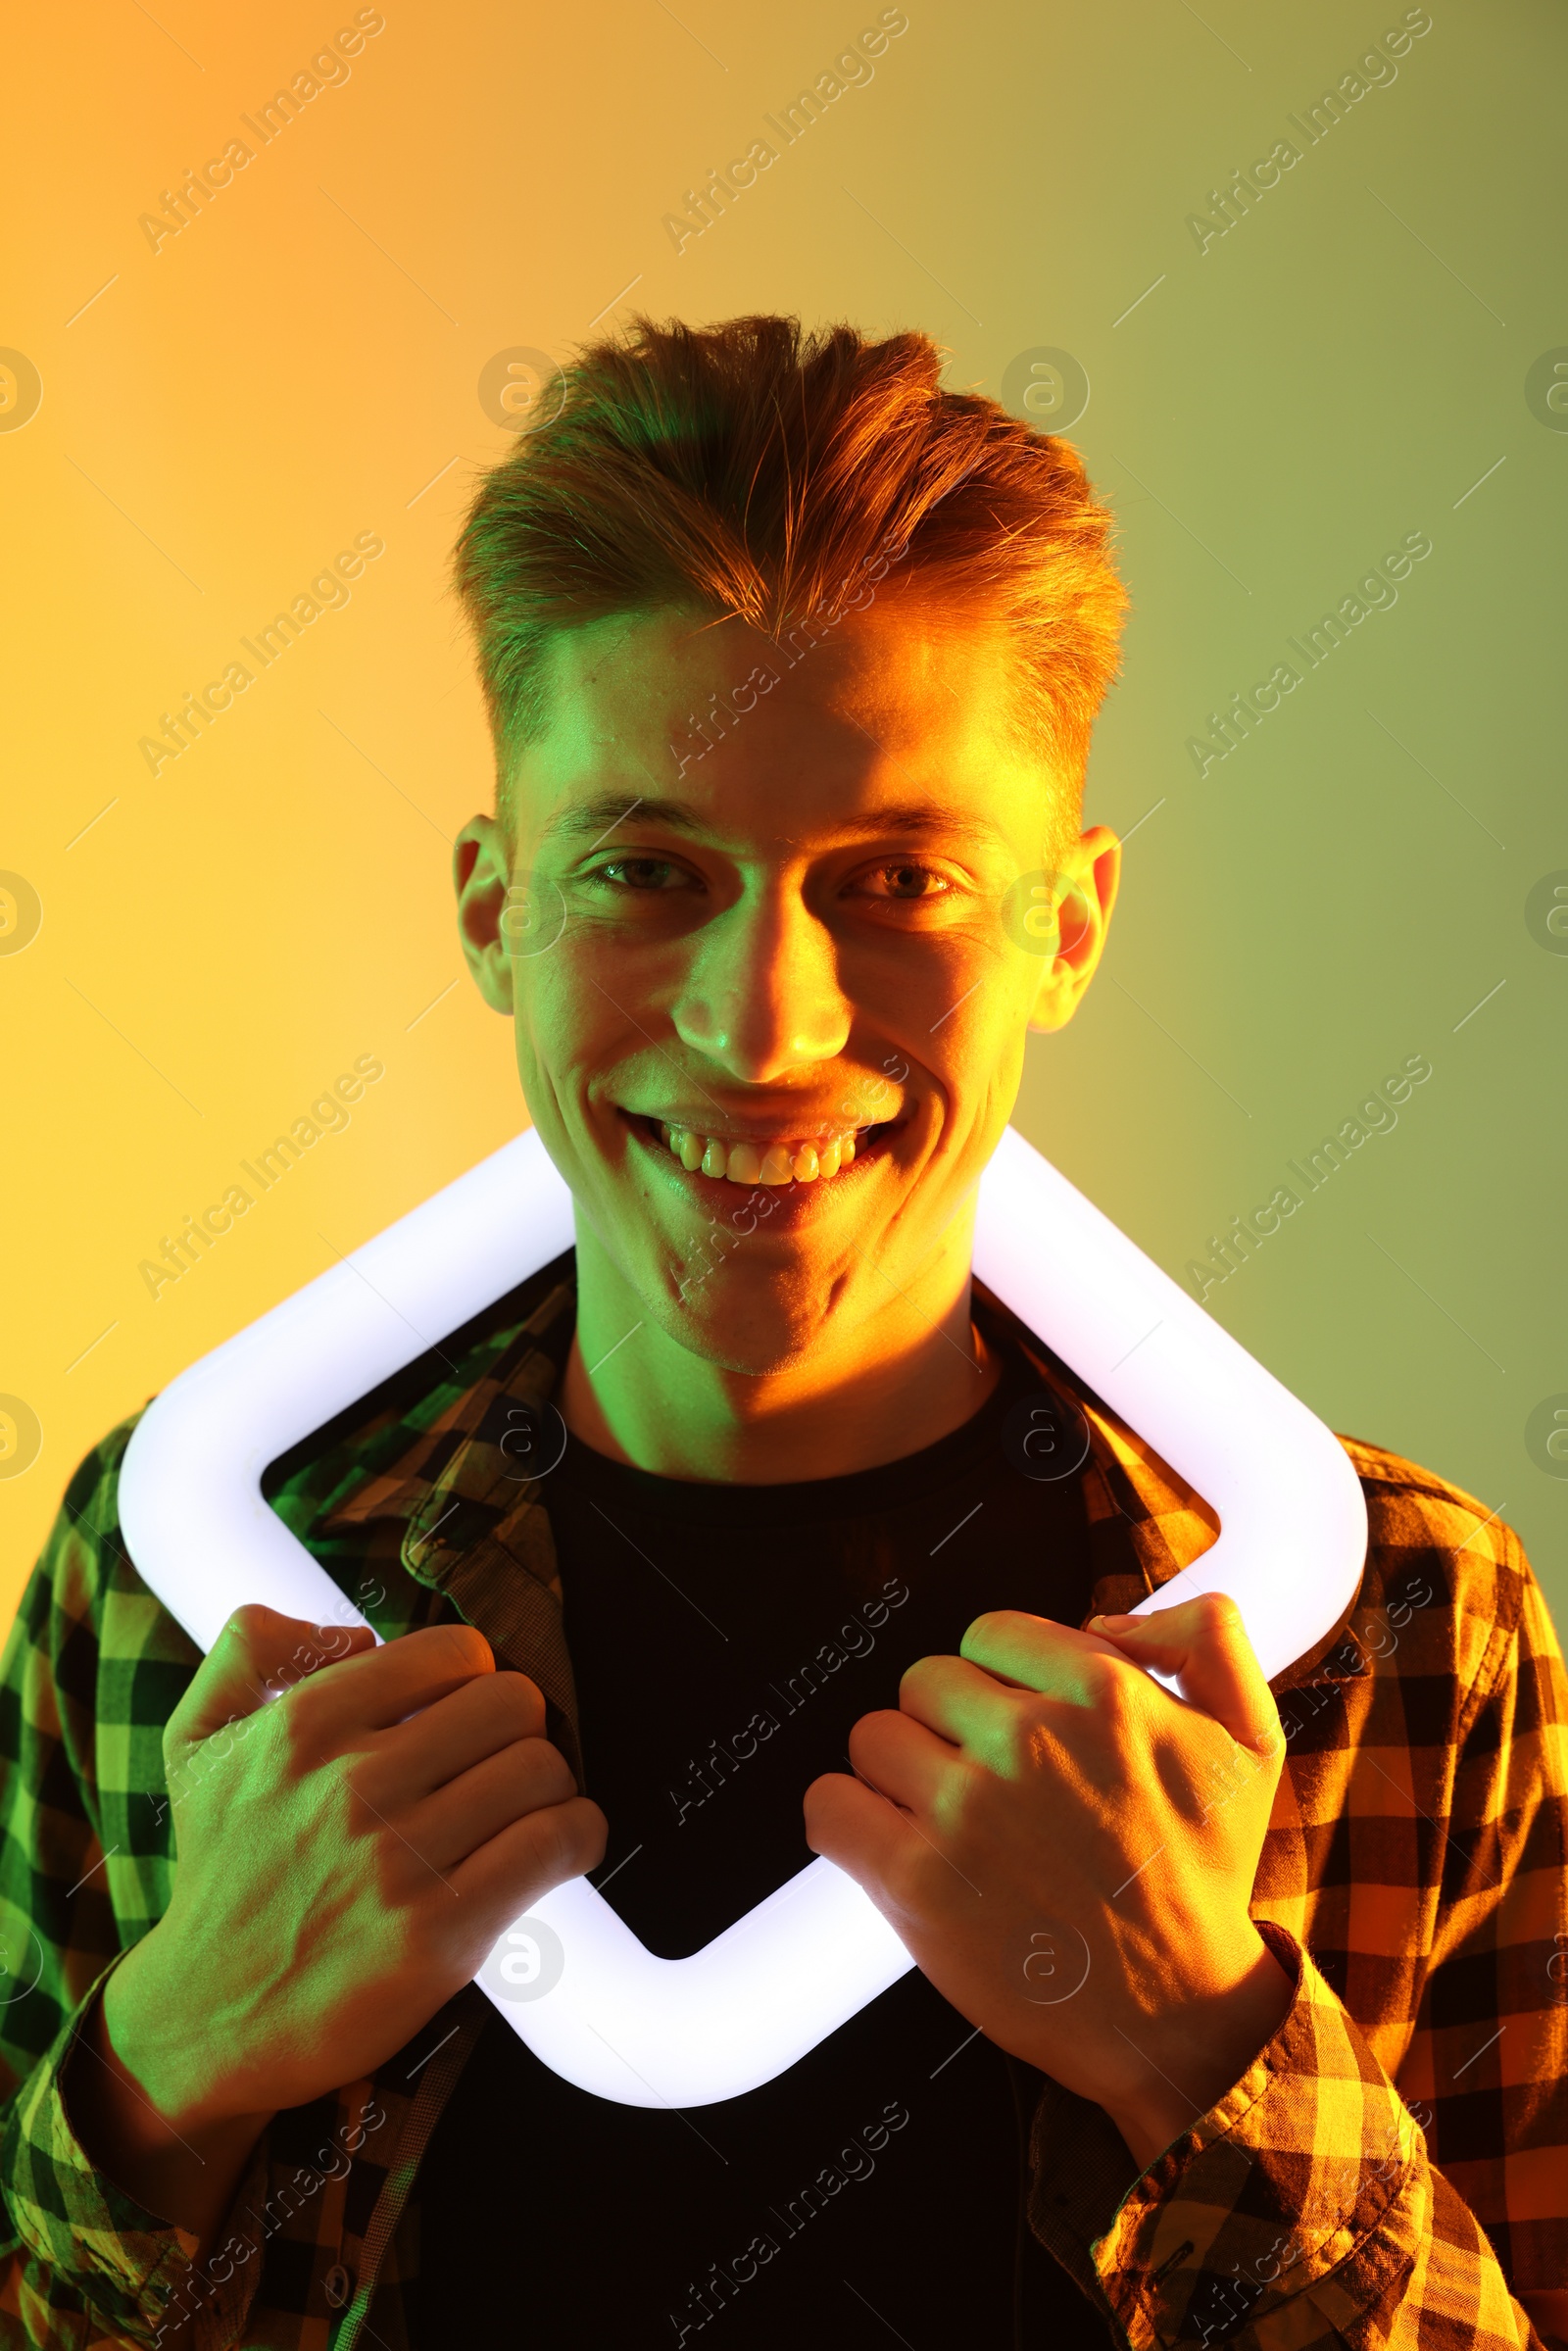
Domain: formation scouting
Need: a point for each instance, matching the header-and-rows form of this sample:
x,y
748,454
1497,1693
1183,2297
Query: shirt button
x,y
338,2285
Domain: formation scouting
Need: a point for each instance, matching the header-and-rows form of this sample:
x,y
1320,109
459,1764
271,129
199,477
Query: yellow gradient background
x,y
1268,415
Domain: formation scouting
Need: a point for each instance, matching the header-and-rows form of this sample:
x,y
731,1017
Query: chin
x,y
757,1330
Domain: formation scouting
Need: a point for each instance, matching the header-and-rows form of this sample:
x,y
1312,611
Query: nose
x,y
761,993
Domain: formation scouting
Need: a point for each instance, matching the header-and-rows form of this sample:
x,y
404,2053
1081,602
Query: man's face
x,y
831,926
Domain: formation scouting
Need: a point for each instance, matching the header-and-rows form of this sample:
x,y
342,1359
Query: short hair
x,y
755,469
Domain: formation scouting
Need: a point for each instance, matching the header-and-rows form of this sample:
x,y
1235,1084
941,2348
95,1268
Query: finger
x,y
902,1758
1033,1652
957,1701
525,1859
381,1687
259,1653
484,1715
1203,1643
860,1831
463,1815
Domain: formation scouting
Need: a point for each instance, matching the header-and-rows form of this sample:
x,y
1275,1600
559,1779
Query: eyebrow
x,y
607,811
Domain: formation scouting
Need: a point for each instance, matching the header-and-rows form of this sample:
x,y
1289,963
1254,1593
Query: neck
x,y
889,1387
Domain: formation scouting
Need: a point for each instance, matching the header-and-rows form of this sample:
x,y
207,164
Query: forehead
x,y
897,701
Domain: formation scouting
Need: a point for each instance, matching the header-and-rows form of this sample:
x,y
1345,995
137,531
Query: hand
x,y
348,1852
1068,1850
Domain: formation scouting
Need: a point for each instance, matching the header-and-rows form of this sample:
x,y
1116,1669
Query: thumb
x,y
258,1654
1203,1643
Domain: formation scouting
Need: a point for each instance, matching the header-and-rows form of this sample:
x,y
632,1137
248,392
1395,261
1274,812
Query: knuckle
x,y
1030,1725
296,1731
457,1648
1270,1740
1118,1689
1032,1743
331,1641
869,1737
254,1627
520,1700
293,1690
990,1624
817,1802
965,1793
556,1843
587,1830
922,1674
903,1874
549,1775
1106,1676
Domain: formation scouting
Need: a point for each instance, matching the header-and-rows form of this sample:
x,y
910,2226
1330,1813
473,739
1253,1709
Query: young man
x,y
1238,2017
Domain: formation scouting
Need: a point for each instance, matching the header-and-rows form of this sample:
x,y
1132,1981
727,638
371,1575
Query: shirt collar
x,y
475,1452
476,1528
462,1485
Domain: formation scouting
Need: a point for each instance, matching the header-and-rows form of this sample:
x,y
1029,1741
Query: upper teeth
x,y
759,1163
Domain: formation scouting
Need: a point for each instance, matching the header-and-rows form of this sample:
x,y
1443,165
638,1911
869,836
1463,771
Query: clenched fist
x,y
1068,1849
348,1852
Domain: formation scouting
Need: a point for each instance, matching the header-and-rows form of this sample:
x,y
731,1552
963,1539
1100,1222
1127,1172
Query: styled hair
x,y
755,469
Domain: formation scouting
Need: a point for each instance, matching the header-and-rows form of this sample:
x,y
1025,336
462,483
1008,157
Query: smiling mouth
x,y
740,1159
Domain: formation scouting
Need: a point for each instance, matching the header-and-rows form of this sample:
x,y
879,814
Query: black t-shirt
x,y
724,1639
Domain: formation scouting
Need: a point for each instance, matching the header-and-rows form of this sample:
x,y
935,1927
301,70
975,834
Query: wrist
x,y
1196,2051
183,2163
143,2033
1149,2127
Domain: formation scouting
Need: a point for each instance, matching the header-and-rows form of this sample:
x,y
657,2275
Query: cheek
x,y
976,1045
923,985
566,1026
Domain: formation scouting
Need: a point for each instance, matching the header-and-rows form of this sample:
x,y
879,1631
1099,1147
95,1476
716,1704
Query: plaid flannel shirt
x,y
1391,2164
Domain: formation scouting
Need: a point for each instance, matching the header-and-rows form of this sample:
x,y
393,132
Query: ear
x,y
1084,891
481,872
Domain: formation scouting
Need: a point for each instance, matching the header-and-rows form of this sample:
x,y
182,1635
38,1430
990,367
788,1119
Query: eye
x,y
903,882
645,873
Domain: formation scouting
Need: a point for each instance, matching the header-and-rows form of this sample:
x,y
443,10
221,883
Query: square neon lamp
x,y
570,1977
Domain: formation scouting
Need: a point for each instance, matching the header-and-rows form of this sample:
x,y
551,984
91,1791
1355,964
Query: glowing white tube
x,y
1293,1522
572,1977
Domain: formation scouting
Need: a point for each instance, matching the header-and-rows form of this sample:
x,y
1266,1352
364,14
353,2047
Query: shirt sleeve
x,y
81,2260
1322,2202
